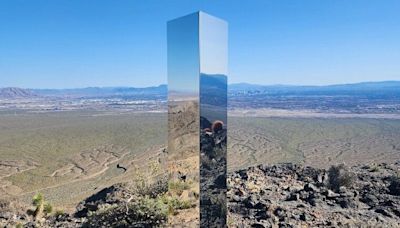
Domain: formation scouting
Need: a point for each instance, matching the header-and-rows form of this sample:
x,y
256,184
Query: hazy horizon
x,y
165,84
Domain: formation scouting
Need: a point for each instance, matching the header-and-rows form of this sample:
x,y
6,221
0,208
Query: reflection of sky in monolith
x,y
213,45
183,56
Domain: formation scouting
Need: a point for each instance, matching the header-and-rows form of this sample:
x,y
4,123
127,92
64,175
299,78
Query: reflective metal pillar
x,y
197,116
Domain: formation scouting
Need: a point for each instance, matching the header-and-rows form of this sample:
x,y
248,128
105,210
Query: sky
x,y
80,43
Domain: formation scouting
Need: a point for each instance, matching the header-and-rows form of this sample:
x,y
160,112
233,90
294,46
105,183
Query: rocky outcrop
x,y
120,205
111,195
282,195
12,212
288,195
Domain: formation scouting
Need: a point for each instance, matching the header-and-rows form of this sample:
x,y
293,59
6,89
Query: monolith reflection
x,y
197,118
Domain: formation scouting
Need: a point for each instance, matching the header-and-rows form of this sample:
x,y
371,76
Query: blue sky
x,y
79,43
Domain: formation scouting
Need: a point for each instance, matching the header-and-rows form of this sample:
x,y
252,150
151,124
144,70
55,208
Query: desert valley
x,y
70,145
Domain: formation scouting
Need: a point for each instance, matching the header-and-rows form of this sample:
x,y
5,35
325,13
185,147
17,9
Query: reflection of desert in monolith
x,y
213,150
183,161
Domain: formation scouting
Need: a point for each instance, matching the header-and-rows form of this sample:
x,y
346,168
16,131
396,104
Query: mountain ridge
x,y
391,87
15,92
242,85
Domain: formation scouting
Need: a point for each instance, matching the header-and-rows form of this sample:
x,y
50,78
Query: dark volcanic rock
x,y
283,195
110,195
394,186
289,195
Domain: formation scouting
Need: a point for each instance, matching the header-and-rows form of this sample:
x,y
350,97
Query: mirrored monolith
x,y
197,118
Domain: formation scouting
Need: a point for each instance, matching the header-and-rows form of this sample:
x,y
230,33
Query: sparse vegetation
x,y
154,167
150,206
56,140
179,204
42,207
153,189
317,142
143,212
64,135
177,187
175,204
67,135
340,176
47,209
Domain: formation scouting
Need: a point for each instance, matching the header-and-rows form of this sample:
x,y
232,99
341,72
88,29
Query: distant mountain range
x,y
13,92
386,87
103,91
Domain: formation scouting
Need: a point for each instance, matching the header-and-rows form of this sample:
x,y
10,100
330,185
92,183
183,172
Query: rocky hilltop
x,y
289,195
282,195
120,205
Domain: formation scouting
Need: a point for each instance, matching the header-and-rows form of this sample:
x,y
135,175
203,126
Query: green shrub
x,y
42,207
38,199
150,205
47,208
152,189
143,212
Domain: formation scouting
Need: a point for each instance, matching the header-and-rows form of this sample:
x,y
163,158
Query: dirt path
x,y
93,175
4,184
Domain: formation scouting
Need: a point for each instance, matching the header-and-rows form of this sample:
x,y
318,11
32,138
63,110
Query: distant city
x,y
381,98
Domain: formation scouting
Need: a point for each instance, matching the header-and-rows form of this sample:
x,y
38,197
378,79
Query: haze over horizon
x,y
230,84
73,44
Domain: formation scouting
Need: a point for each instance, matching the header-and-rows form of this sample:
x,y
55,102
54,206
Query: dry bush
x,y
144,212
152,189
340,176
178,187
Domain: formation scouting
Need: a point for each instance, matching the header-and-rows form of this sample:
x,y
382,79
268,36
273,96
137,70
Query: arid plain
x,y
67,156
77,150
70,155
